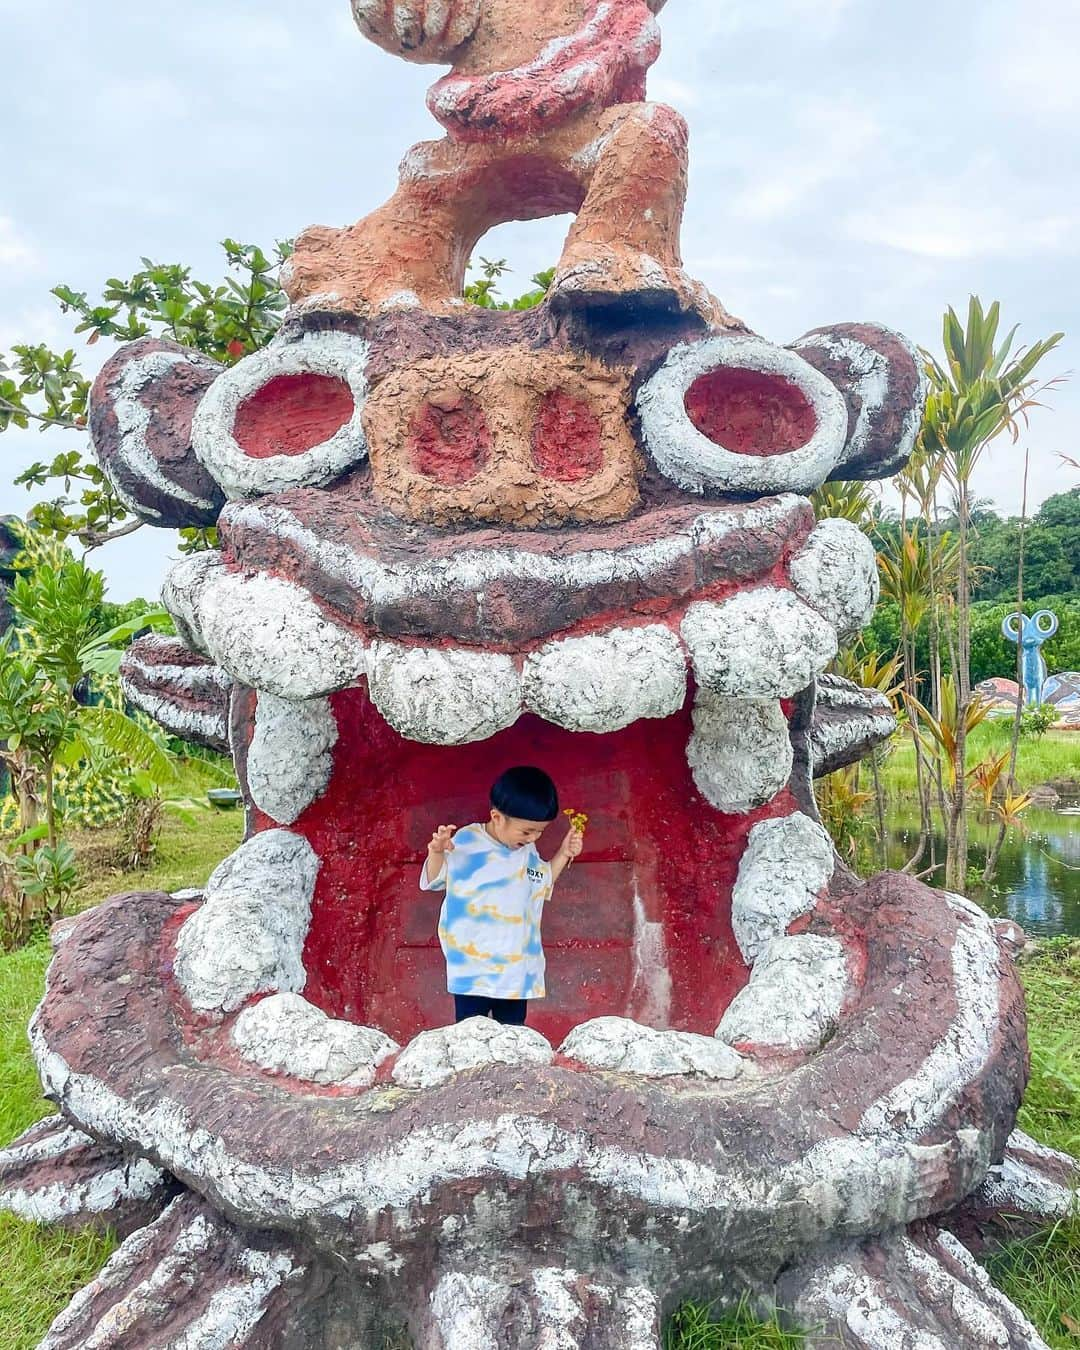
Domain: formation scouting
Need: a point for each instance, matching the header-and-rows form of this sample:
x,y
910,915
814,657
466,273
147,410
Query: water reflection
x,y
1038,877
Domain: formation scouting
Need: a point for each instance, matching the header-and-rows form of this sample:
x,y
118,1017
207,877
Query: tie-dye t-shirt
x,y
489,925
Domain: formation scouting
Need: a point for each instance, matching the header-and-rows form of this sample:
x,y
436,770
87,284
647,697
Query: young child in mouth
x,y
496,886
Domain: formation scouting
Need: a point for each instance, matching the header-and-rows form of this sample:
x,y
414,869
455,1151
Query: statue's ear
x,y
141,407
881,378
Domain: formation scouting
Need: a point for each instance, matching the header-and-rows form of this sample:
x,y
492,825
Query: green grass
x,y
1051,1110
44,1267
1054,757
697,1327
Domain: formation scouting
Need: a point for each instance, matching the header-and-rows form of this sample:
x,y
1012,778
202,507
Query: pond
x,y
1038,877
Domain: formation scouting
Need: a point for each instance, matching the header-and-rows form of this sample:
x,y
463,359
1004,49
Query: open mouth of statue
x,y
679,723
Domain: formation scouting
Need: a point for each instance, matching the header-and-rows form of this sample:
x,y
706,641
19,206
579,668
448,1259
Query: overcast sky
x,y
850,160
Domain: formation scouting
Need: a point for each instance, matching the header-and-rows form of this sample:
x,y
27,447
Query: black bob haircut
x,y
526,794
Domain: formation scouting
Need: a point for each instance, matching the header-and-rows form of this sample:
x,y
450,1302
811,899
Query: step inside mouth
x,y
639,926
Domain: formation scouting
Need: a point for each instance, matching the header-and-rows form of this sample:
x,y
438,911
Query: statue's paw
x,y
418,30
55,1173
919,1289
601,275
189,1278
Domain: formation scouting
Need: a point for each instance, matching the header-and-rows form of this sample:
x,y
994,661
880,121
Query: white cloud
x,y
16,251
957,227
820,18
828,145
1034,51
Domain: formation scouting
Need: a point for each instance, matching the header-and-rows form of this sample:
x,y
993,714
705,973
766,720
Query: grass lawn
x,y
44,1267
1052,758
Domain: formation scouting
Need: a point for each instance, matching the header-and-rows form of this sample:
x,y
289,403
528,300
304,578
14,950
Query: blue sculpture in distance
x,y
1031,632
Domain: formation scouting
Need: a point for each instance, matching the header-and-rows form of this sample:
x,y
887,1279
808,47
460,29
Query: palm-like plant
x,y
981,389
854,501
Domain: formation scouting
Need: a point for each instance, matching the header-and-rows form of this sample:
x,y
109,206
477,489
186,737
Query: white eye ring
x,y
336,355
689,458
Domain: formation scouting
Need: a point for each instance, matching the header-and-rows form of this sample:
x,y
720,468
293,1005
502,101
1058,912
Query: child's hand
x,y
574,842
441,841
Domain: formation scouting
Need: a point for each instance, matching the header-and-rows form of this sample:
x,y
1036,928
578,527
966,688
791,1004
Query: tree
x,y
47,388
47,723
980,390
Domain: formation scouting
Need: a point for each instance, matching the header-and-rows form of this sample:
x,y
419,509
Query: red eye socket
x,y
291,414
750,413
567,444
450,441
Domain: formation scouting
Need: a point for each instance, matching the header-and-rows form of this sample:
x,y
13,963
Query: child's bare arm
x,y
441,844
568,851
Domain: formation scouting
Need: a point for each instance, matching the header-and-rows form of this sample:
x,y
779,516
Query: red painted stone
x,y
567,442
750,413
291,414
451,442
639,926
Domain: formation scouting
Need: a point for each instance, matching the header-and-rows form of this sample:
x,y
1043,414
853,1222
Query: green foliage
x,y
64,744
697,1326
37,385
484,292
48,876
1036,721
979,390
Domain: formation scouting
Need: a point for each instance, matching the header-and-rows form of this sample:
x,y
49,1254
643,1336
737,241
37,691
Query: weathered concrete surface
x,y
674,1180
56,1174
847,723
920,1289
141,406
179,689
188,1279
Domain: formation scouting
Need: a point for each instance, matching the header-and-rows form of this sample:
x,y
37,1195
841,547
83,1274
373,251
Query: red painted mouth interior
x,y
639,926
750,413
291,414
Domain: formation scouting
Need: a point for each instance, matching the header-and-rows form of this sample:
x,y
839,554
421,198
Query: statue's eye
x,y
736,414
287,416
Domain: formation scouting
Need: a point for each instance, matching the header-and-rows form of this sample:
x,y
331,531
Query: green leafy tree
x,y
484,291
46,388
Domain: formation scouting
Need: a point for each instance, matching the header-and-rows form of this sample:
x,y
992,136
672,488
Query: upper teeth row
x,y
765,643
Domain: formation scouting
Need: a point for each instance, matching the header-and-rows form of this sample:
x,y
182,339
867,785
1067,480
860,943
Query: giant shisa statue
x,y
452,540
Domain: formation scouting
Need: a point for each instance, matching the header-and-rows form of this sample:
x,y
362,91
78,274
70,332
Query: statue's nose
x,y
503,437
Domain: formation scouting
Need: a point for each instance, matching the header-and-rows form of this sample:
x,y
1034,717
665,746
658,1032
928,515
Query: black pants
x,y
509,1011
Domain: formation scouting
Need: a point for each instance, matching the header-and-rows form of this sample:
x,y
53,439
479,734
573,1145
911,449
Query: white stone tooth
x,y
434,1056
443,697
764,643
740,752
836,574
248,936
290,757
286,1034
605,681
267,633
785,866
794,998
625,1046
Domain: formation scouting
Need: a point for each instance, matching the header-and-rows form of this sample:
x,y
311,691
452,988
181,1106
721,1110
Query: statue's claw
x,y
922,1290
189,1278
1031,1188
527,1309
54,1173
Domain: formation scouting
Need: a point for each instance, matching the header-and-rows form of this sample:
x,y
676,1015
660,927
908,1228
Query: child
x,y
496,885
